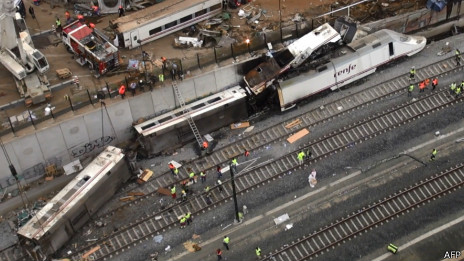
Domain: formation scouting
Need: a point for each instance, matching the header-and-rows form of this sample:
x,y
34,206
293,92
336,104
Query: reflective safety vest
x,y
234,162
207,189
453,86
58,22
67,14
301,155
176,171
458,90
122,90
184,193
411,87
412,71
226,240
247,153
183,220
427,81
161,77
434,152
392,248
435,81
202,174
192,174
205,144
173,190
187,216
258,251
422,85
462,84
171,166
457,52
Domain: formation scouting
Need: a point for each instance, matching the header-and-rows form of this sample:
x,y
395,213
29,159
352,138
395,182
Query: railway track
x,y
371,216
279,131
332,143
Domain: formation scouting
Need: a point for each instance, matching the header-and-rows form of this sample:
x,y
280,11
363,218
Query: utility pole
x,y
234,193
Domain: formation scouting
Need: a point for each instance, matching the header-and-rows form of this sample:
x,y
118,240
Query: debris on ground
x,y
293,124
158,238
195,236
191,246
298,135
183,41
281,219
127,198
240,125
288,226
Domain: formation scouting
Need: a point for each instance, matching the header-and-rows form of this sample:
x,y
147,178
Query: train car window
x,y
201,12
214,100
171,24
214,7
108,173
390,47
198,106
154,31
164,119
376,45
186,18
148,126
322,68
179,113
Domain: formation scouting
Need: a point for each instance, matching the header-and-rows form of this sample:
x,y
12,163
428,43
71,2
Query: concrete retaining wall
x,y
81,136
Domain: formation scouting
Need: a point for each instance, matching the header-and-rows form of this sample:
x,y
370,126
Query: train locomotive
x,y
73,206
347,64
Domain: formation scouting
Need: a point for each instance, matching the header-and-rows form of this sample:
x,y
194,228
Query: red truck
x,y
90,47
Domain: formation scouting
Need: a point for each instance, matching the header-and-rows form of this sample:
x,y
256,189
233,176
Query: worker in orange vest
x,y
422,86
92,25
96,10
80,18
122,91
247,153
68,16
427,82
434,83
205,145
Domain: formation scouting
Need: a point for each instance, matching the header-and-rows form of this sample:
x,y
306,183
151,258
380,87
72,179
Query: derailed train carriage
x,y
73,206
211,113
348,64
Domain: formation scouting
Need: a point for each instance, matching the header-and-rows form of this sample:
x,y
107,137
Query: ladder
x,y
190,121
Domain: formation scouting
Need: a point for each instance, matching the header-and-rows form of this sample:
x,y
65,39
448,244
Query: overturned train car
x,y
73,206
348,64
211,113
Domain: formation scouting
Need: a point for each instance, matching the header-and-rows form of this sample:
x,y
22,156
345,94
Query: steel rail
x,y
368,217
325,146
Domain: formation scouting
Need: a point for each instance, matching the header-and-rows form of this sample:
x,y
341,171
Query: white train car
x,y
211,113
73,206
162,19
348,64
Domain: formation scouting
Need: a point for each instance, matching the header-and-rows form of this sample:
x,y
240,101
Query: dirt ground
x,y
58,57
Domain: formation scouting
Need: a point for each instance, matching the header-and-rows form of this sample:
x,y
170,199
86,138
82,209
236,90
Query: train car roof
x,y
154,12
313,40
195,109
72,194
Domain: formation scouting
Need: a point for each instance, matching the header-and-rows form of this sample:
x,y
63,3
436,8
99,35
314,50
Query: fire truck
x,y
90,47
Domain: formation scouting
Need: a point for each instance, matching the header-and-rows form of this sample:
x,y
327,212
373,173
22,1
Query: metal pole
x,y
215,55
90,98
11,125
198,60
32,120
70,103
280,23
144,63
232,51
108,89
234,193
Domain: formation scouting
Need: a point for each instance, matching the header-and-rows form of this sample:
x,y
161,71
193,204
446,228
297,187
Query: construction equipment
x,y
19,56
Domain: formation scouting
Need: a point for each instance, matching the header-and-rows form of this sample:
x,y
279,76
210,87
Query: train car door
x,y
134,36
